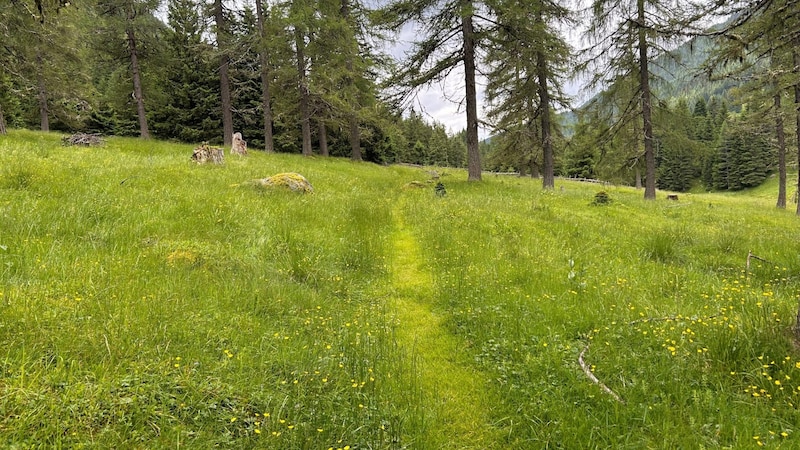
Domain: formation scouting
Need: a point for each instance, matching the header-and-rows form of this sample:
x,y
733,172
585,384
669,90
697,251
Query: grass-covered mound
x,y
146,301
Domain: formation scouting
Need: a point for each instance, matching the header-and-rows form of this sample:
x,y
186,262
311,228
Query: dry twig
x,y
588,372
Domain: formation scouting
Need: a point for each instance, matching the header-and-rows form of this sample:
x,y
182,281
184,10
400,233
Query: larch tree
x,y
264,63
130,17
626,36
301,11
760,47
222,34
528,59
447,38
39,50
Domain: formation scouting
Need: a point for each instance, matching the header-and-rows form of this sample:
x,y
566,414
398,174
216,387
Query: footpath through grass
x,y
457,402
148,302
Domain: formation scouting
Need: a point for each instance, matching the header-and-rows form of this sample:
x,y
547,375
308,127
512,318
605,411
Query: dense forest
x,y
680,103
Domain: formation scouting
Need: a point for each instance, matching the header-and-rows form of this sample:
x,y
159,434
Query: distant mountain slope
x,y
679,74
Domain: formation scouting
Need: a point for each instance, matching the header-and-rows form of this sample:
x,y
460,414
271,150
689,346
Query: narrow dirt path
x,y
455,397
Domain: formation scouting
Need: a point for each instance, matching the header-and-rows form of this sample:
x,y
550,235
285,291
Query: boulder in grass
x,y
289,180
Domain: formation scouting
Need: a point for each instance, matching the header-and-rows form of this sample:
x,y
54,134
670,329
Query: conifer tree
x,y
529,58
223,37
448,39
628,35
132,19
762,43
40,52
264,61
191,79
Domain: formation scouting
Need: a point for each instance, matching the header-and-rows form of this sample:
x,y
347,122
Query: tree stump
x,y
239,145
208,154
82,139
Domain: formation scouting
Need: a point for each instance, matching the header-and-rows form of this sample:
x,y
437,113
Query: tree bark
x,y
305,114
355,130
355,139
44,111
266,98
647,123
473,153
144,132
548,178
224,81
781,152
796,57
323,139
3,130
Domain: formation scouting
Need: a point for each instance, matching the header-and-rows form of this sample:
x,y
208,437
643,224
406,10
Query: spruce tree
x,y
191,77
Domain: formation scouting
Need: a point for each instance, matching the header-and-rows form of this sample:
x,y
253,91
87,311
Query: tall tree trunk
x,y
2,122
44,112
144,132
781,152
355,139
323,139
548,179
224,81
266,98
355,130
647,123
305,114
473,153
796,57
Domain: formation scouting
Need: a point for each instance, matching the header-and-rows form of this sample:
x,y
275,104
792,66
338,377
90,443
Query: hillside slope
x,y
146,301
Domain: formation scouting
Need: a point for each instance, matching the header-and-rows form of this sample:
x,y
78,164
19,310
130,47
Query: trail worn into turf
x,y
454,396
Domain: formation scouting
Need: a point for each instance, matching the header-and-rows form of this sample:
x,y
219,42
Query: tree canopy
x,y
670,93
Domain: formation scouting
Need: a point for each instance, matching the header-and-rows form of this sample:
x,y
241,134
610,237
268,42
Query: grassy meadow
x,y
149,302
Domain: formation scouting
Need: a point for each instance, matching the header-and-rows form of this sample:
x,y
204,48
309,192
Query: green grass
x,y
147,302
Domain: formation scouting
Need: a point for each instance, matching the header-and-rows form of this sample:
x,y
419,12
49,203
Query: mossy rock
x,y
415,185
289,180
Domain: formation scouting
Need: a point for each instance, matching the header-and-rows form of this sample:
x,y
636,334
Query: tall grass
x,y
148,302
698,349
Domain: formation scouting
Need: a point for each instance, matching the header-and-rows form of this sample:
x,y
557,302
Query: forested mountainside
x,y
710,130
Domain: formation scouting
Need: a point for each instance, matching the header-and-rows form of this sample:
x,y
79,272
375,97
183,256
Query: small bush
x,y
601,198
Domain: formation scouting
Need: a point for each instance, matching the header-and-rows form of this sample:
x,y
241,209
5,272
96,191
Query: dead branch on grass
x,y
588,371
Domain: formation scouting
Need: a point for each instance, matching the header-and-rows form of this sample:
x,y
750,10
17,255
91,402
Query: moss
x,y
289,180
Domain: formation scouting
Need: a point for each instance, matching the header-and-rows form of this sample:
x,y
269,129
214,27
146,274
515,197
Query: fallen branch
x,y
750,256
602,385
594,379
